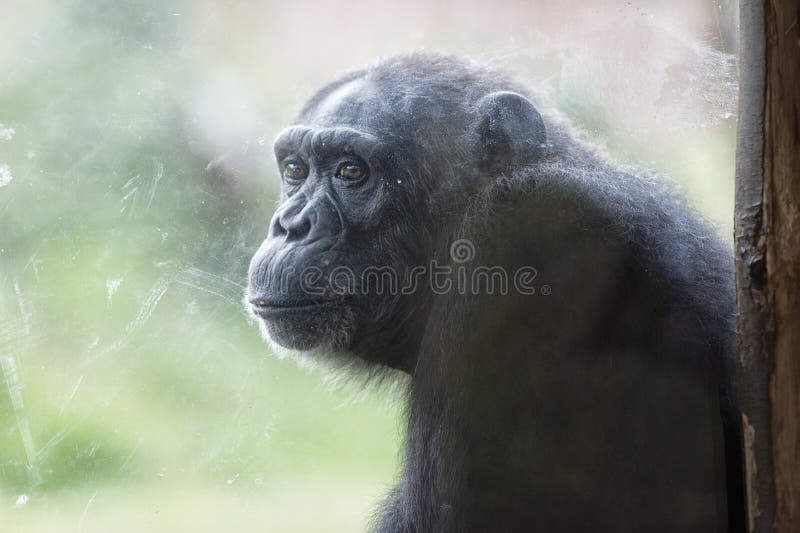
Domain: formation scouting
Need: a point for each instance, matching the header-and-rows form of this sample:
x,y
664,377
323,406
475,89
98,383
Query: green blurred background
x,y
136,180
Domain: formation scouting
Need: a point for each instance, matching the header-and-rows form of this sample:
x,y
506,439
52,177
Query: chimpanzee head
x,y
369,171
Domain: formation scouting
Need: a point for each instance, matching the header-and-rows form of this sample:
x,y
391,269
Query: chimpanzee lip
x,y
265,307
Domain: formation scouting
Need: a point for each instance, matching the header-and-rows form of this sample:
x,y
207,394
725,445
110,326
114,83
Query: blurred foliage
x,y
122,263
135,183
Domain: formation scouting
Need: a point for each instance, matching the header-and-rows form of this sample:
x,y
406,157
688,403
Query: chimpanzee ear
x,y
510,132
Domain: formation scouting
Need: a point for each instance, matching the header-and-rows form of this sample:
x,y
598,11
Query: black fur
x,y
603,402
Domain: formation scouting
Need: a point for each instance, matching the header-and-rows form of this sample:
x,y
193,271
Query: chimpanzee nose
x,y
294,226
306,220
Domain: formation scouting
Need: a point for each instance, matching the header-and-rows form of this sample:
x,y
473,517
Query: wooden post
x,y
767,235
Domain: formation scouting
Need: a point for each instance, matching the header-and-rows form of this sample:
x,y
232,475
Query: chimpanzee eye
x,y
295,171
351,171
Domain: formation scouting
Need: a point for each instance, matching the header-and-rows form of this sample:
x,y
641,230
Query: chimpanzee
x,y
567,323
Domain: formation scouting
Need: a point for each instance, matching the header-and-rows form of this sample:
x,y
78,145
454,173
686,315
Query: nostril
x,y
293,226
276,229
299,228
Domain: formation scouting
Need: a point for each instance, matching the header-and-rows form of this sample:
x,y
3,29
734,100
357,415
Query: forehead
x,y
356,104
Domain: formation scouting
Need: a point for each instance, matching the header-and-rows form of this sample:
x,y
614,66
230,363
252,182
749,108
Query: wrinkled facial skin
x,y
375,162
345,206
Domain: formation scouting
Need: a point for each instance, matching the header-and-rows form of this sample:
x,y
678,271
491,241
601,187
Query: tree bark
x,y
767,235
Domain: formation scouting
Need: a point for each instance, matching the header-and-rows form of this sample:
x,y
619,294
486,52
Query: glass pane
x,y
137,179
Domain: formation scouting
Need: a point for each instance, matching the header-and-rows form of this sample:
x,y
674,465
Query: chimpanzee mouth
x,y
266,308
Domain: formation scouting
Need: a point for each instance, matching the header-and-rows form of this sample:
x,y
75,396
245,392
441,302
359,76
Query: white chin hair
x,y
322,357
340,368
